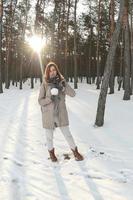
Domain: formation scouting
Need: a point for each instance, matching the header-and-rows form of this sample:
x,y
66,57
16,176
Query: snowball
x,y
54,91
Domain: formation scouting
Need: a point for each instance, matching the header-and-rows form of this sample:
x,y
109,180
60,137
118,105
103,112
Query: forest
x,y
66,99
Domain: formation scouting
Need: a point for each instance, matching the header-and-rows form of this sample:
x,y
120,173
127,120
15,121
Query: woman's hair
x,y
47,70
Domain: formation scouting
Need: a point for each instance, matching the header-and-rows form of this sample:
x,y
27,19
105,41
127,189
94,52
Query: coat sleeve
x,y
42,99
69,90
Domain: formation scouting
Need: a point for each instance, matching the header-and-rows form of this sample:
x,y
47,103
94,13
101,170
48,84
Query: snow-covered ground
x,y
26,173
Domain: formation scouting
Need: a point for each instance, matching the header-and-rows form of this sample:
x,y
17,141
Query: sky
x,y
81,7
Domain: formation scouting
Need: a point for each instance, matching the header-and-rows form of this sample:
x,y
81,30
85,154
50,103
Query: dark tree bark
x,y
66,40
90,55
126,52
98,45
22,47
52,56
8,44
131,47
120,78
88,64
75,45
1,15
112,28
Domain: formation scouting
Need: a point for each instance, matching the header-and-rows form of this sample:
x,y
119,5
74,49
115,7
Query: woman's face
x,y
52,71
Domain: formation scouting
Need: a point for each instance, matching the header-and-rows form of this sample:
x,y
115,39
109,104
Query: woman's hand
x,y
62,85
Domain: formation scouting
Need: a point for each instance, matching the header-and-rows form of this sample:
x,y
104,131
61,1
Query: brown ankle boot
x,y
52,155
77,155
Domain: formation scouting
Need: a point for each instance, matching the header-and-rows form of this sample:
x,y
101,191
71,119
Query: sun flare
x,y
36,43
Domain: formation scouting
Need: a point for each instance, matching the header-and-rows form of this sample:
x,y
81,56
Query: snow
x,y
28,174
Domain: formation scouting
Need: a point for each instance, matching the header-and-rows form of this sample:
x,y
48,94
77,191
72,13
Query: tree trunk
x,y
71,67
132,48
8,44
98,45
112,28
75,46
66,41
90,55
52,56
126,53
120,78
109,63
1,15
22,48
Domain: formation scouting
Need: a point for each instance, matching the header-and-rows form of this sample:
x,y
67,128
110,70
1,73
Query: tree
x,y
66,37
26,5
109,63
126,52
9,22
98,44
112,28
131,14
75,45
1,15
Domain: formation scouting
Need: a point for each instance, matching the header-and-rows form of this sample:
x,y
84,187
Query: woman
x,y
52,94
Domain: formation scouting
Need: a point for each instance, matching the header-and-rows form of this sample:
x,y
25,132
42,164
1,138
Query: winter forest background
x,y
92,43
83,45
83,37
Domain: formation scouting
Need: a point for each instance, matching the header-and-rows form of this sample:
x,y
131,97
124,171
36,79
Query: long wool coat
x,y
47,106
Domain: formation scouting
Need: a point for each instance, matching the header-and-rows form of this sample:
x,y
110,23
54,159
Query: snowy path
x,y
27,173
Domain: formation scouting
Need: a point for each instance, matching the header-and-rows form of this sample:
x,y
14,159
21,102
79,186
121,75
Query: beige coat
x,y
47,106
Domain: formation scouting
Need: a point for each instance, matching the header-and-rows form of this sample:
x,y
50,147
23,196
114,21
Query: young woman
x,y
52,94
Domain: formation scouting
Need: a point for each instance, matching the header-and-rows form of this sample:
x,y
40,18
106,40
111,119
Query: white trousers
x,y
67,134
